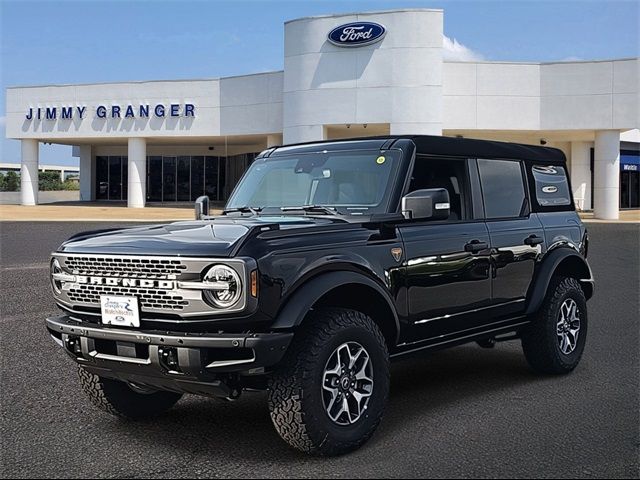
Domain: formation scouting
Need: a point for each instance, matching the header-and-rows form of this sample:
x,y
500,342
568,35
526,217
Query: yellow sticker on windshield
x,y
381,160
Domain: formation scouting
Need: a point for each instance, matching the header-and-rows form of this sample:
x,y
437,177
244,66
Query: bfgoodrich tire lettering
x,y
541,342
296,403
120,400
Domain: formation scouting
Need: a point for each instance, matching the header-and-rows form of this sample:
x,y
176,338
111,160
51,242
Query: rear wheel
x,y
554,342
123,400
328,394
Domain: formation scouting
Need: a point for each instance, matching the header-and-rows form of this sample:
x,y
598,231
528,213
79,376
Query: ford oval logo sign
x,y
357,34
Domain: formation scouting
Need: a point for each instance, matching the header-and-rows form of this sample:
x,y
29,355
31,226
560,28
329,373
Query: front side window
x,y
502,188
448,173
552,188
357,182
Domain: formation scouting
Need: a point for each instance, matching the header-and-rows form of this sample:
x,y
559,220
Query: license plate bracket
x,y
120,311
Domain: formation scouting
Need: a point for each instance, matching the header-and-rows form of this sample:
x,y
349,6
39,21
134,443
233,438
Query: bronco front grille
x,y
154,281
148,268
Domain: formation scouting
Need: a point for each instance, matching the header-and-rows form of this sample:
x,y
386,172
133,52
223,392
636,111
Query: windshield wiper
x,y
245,209
311,208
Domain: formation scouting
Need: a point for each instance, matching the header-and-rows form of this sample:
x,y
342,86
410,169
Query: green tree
x,y
12,182
1,182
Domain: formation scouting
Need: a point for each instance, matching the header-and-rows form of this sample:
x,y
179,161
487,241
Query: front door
x,y
447,266
447,276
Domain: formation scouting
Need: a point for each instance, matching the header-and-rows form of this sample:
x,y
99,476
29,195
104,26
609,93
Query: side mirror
x,y
429,204
202,207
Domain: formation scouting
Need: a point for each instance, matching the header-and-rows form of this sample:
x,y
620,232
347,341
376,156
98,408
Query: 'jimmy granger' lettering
x,y
113,111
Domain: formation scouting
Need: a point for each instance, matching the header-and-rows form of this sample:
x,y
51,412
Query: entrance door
x,y
111,178
630,189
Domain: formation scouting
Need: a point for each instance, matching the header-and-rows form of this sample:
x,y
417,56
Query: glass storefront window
x,y
125,177
172,179
102,178
212,178
115,178
154,179
169,179
184,179
197,177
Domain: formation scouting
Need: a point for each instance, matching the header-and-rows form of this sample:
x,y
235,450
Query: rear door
x,y
516,235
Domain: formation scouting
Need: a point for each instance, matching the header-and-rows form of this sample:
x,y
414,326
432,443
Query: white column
x,y
580,171
137,173
274,140
29,171
606,175
87,174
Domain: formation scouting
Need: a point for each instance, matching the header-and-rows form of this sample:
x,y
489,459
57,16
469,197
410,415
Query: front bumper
x,y
194,363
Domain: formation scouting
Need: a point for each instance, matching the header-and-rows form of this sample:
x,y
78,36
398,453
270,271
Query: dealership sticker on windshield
x,y
120,311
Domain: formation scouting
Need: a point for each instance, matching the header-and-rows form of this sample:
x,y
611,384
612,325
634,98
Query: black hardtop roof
x,y
435,145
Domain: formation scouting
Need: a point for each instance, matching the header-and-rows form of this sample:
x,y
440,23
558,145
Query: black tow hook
x,y
234,395
169,359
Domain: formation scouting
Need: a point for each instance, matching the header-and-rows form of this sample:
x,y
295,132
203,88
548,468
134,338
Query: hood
x,y
216,237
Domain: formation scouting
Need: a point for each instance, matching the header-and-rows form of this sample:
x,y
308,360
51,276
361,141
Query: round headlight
x,y
227,289
56,268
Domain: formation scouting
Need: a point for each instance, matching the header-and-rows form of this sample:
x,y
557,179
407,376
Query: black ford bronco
x,y
330,259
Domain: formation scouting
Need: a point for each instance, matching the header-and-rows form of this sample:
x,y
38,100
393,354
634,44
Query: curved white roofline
x,y
375,12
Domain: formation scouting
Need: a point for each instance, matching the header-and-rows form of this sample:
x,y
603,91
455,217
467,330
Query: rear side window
x,y
552,188
502,188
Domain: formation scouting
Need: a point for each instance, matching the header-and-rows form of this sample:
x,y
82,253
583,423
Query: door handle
x,y
533,240
475,246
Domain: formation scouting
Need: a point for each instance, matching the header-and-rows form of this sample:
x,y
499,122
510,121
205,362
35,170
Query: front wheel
x,y
328,395
554,342
123,400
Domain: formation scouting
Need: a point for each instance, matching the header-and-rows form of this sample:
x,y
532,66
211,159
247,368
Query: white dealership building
x,y
171,141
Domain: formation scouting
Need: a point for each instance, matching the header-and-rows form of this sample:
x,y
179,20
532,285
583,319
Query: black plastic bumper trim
x,y
268,348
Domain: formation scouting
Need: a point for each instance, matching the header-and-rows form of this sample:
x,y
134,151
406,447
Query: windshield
x,y
353,182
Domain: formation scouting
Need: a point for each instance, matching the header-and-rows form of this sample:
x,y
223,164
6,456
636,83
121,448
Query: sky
x,y
54,42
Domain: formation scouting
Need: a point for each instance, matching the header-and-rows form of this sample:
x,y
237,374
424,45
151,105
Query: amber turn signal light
x,y
254,283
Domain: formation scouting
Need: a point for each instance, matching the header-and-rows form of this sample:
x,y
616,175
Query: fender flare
x,y
550,263
301,301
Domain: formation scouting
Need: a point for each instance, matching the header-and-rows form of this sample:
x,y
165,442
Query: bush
x,y
11,182
70,185
48,181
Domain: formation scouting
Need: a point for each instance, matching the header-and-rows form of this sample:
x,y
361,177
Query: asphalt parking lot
x,y
464,412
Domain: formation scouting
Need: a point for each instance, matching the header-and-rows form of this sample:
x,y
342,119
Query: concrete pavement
x,y
105,212
95,212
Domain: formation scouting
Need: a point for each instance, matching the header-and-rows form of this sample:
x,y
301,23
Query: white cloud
x,y
456,51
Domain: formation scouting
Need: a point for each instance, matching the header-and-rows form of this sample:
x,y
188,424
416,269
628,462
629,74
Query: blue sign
x,y
630,160
357,34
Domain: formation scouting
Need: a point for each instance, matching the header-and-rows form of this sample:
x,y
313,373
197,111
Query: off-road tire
x,y
119,399
295,388
540,339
